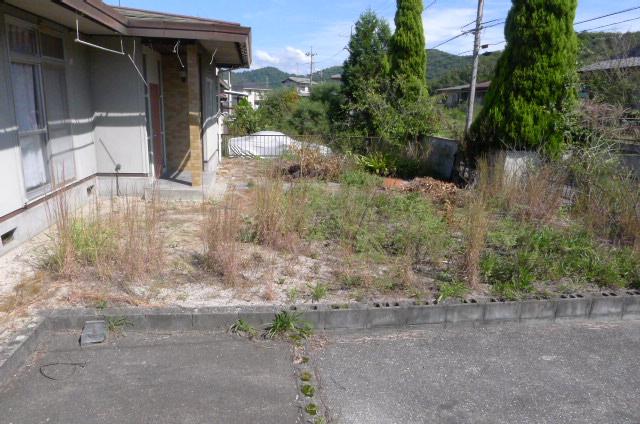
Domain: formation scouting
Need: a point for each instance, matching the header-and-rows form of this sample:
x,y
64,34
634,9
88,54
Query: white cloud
x,y
295,54
265,57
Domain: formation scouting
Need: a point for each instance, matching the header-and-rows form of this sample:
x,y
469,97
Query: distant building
x,y
336,77
612,64
614,81
459,94
255,93
302,85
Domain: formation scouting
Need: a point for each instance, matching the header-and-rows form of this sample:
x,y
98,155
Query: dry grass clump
x,y
538,195
607,196
121,243
533,194
221,229
475,229
280,216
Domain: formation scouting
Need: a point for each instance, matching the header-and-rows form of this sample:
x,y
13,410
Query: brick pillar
x,y
195,139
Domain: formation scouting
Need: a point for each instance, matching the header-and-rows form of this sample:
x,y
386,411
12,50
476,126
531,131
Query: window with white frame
x,y
40,100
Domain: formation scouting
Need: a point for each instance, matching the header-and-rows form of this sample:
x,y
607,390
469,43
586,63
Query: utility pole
x,y
474,72
311,54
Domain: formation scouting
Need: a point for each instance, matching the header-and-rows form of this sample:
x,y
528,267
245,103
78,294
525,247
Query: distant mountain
x,y
446,69
271,77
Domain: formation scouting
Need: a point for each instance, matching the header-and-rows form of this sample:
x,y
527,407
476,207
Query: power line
x,y
483,47
577,23
607,15
469,31
608,25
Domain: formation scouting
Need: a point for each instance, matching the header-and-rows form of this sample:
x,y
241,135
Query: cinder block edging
x,y
607,306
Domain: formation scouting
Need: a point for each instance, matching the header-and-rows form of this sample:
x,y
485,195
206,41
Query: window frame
x,y
38,60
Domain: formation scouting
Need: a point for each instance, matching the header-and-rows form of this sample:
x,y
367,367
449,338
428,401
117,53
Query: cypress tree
x,y
407,47
533,82
367,62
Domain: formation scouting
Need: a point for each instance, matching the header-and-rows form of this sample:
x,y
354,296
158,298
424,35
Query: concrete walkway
x,y
552,373
177,378
567,372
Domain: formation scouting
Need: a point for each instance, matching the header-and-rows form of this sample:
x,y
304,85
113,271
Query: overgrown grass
x,y
452,290
123,242
520,255
378,224
221,230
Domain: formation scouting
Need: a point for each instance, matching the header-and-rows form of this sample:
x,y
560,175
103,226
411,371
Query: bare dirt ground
x,y
267,276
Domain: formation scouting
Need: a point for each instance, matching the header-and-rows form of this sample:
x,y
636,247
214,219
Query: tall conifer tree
x,y
533,82
407,48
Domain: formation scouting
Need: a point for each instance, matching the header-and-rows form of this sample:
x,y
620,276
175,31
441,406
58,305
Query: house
x,y
459,94
301,84
336,77
97,98
255,95
614,81
255,92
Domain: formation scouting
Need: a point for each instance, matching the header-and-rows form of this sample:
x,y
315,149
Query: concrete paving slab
x,y
569,372
154,378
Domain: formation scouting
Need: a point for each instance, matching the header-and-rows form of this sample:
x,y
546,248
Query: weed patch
x,y
288,324
243,328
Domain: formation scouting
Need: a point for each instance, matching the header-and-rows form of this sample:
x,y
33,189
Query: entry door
x,y
156,129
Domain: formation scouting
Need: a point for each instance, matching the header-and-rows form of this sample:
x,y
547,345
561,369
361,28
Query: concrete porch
x,y
181,187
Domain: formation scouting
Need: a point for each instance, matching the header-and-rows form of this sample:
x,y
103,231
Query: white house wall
x,y
12,195
120,136
211,123
80,106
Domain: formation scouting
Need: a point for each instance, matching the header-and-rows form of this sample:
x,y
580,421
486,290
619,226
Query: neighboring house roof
x,y
231,41
236,93
298,80
464,87
252,86
152,15
627,62
336,77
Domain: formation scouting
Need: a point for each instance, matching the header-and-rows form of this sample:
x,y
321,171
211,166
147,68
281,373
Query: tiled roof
x,y
627,62
168,17
484,84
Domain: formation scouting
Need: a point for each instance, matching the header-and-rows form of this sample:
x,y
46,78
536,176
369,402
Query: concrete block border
x,y
606,306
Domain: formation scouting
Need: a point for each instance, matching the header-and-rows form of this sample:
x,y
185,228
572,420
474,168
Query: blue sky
x,y
284,29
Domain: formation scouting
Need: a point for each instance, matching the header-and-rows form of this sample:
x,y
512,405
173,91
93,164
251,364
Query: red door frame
x,y
156,129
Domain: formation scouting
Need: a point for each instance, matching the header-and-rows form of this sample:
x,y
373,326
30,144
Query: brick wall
x,y
176,101
182,114
195,163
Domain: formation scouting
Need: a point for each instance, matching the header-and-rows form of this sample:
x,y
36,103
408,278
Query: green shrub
x,y
377,163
